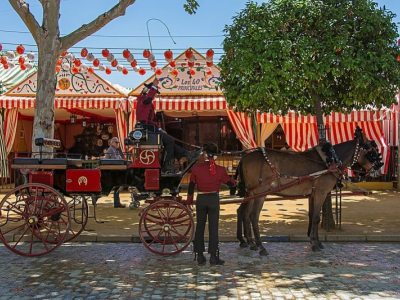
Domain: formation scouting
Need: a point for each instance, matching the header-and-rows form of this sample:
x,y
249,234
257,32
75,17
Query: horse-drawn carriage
x,y
53,207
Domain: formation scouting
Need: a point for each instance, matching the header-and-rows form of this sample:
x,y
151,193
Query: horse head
x,y
367,154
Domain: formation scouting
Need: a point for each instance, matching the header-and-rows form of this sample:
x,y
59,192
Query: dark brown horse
x,y
313,172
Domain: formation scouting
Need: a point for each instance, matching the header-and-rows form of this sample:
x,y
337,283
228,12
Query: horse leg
x,y
314,217
257,208
247,224
240,224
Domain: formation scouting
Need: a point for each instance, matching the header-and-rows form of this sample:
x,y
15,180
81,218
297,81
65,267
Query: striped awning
x,y
3,153
354,116
187,103
12,76
63,102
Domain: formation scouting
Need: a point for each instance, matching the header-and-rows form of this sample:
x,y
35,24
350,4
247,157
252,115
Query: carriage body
x,y
51,204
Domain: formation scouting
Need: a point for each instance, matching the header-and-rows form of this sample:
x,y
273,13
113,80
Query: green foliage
x,y
191,6
286,54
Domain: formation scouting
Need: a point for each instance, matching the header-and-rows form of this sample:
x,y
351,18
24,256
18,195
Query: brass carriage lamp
x,y
84,122
73,118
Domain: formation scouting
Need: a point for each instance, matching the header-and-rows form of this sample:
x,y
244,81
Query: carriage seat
x,y
112,162
25,161
54,161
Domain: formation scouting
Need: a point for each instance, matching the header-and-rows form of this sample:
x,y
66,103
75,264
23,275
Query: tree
x,y
310,56
51,45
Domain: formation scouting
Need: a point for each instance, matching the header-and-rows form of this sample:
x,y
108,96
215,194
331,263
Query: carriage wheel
x,y
166,227
34,219
79,211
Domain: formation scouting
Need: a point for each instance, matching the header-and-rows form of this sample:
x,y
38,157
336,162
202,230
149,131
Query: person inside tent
x,y
145,114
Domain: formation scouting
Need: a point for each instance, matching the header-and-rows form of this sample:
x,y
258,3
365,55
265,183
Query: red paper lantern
x,y
209,63
191,64
75,70
84,52
172,63
58,69
158,72
210,53
59,62
398,58
114,63
4,60
192,72
125,71
188,53
108,71
96,63
209,73
1,47
153,64
5,66
398,42
21,60
90,70
168,54
77,62
23,67
105,53
64,53
142,71
20,49
134,63
174,72
126,53
146,53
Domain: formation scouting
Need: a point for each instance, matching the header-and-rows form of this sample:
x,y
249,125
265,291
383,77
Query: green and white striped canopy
x,y
11,77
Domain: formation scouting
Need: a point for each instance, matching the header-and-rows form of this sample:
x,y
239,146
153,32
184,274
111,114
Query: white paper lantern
x,y
135,69
169,69
151,58
11,64
131,58
209,59
10,54
29,66
83,68
110,57
90,57
193,58
71,56
168,59
31,56
102,67
65,66
120,67
153,69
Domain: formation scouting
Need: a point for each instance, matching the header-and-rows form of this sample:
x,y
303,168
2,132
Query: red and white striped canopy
x,y
63,102
187,103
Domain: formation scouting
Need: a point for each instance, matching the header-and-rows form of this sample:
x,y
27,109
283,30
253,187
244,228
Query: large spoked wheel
x,y
34,219
166,227
79,210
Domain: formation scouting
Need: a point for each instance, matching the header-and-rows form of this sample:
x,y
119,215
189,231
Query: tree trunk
x,y
327,221
398,153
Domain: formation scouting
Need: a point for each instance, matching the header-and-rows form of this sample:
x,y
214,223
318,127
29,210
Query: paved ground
x,y
129,271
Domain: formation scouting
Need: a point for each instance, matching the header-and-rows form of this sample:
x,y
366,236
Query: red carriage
x,y
52,205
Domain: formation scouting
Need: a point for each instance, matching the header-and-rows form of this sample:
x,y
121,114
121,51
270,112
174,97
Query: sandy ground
x,y
375,214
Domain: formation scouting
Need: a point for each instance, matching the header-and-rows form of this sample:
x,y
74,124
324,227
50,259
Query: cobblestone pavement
x,y
129,271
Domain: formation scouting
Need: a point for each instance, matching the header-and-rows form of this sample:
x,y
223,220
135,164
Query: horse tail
x,y
310,210
241,186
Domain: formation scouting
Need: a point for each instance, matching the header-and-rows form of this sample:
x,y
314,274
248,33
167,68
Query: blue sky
x,y
200,31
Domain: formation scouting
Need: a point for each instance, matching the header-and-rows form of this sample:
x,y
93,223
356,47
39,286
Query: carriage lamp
x,y
73,118
84,122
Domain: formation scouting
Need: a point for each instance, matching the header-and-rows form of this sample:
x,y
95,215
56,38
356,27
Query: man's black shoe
x,y
119,205
216,261
201,259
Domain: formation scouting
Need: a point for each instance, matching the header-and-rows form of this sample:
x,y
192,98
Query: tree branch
x,y
98,23
22,9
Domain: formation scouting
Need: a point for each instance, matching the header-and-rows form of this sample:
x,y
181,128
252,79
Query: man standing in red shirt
x,y
208,178
145,114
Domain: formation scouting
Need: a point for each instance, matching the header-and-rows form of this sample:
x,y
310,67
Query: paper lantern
x,y
90,57
23,67
110,57
64,53
108,71
5,66
58,69
134,63
120,67
158,72
20,49
4,60
59,62
105,53
74,70
1,47
21,60
189,53
65,66
102,67
209,63
71,57
168,59
10,54
192,72
90,70
29,66
190,64
146,53
398,58
125,71
31,56
135,69
131,58
153,64
96,63
11,64
168,54
77,62
114,63
175,72
142,71
192,58
151,58
172,63
83,68
210,53
398,42
209,73
126,53
169,69
153,70
209,59
84,52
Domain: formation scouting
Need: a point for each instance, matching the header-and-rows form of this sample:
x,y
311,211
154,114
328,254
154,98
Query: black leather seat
x,y
112,162
25,161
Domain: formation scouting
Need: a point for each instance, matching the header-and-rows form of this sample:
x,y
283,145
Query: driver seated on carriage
x,y
145,114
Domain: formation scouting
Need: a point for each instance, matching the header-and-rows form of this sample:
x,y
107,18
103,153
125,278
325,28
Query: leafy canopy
x,y
284,54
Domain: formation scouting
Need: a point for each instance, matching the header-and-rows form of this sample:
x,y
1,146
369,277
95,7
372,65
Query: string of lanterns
x,y
77,65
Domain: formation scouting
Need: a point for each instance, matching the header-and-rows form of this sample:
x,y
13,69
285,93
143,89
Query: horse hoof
x,y
264,253
253,248
320,245
315,248
243,245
